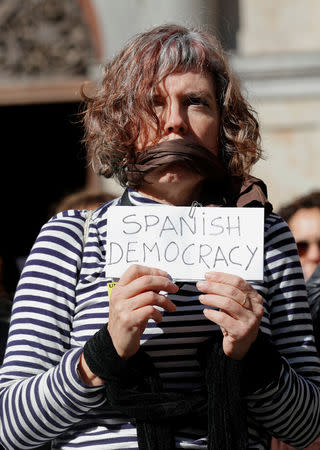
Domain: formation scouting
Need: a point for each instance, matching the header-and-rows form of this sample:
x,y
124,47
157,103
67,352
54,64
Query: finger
x,y
231,286
258,309
154,299
221,289
230,306
224,332
225,321
250,299
140,316
135,271
238,329
145,283
229,279
234,308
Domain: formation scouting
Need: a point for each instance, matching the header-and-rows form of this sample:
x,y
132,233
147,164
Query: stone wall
x,y
278,60
278,26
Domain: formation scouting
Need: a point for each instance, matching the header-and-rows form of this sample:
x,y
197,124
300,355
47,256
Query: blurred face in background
x,y
305,227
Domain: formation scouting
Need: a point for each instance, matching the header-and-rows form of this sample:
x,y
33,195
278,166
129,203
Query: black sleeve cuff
x,y
102,357
104,361
261,365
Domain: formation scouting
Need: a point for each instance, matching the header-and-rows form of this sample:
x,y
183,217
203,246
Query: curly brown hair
x,y
122,109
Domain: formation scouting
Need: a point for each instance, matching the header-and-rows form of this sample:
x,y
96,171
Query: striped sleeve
x,y
41,395
289,407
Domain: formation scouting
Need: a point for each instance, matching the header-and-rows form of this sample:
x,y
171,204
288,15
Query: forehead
x,y
189,81
305,223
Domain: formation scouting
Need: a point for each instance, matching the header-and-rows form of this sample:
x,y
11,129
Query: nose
x,y
313,253
175,121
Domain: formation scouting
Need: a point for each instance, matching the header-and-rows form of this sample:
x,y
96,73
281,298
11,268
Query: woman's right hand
x,y
132,303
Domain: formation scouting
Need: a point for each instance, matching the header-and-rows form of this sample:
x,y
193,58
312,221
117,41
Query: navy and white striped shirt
x,y
62,300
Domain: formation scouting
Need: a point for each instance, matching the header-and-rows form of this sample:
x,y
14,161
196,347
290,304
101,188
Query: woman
x,y
89,365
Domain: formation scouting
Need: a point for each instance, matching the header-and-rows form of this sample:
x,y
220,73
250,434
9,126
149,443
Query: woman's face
x,y
186,107
305,227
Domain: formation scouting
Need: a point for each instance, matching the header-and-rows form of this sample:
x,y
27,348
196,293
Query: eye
x,y
302,247
197,100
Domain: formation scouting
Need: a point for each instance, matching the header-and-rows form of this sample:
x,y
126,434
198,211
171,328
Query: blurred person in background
x,y
303,217
83,199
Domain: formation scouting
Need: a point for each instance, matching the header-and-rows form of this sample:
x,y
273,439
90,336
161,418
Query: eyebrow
x,y
202,93
195,93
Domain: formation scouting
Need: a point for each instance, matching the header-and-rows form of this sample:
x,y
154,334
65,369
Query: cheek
x,y
303,259
209,134
146,138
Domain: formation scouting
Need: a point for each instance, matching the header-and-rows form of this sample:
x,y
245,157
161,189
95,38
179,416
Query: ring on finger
x,y
245,298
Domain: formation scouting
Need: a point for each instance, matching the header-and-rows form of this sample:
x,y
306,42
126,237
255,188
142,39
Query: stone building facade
x,y
278,59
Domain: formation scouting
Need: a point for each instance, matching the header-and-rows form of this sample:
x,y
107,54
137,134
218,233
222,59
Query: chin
x,y
172,178
308,269
184,182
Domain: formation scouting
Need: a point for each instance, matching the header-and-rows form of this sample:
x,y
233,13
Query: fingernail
x,y
209,275
201,284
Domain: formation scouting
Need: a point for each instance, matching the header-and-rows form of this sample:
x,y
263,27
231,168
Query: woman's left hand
x,y
239,310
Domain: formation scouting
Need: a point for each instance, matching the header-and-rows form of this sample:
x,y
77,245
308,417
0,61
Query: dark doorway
x,y
42,159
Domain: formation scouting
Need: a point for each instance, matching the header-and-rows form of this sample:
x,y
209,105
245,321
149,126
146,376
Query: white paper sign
x,y
186,242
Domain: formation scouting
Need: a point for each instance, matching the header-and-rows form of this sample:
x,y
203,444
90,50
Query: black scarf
x,y
134,388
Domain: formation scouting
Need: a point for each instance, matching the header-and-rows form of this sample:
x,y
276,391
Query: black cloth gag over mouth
x,y
193,155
